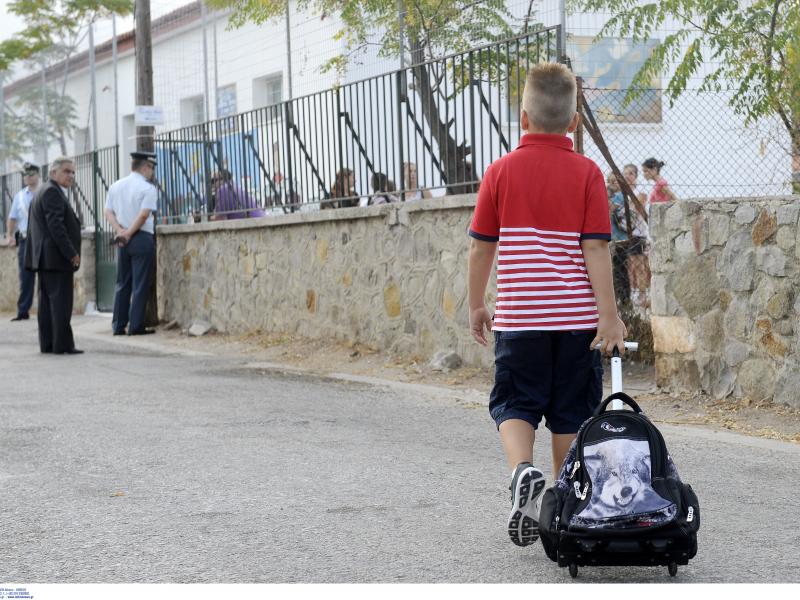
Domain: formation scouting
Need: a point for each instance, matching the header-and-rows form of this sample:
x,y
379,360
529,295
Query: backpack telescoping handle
x,y
616,374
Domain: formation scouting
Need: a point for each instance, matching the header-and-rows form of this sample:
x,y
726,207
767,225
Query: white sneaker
x,y
527,486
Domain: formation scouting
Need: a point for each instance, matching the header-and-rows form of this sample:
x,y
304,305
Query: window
x,y
268,90
226,107
193,111
82,142
608,67
226,101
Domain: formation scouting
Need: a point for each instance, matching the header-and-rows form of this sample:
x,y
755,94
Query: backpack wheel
x,y
673,569
573,570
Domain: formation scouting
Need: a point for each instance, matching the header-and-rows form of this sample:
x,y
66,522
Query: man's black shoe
x,y
73,351
142,332
120,332
21,318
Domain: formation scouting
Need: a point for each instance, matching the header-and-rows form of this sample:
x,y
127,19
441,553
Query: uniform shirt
x,y
539,202
129,196
19,209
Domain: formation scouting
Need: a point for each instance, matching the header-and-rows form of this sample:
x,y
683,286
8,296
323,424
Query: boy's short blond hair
x,y
550,97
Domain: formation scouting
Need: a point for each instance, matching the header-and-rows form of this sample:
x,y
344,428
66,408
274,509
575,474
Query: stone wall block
x,y
735,352
709,331
786,238
788,214
756,379
787,388
745,214
719,226
696,285
771,260
765,227
673,218
673,335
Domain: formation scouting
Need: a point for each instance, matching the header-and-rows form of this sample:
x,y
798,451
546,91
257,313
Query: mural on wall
x,y
608,67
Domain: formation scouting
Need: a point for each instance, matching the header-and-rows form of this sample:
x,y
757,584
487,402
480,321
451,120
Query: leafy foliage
x,y
47,21
431,27
53,31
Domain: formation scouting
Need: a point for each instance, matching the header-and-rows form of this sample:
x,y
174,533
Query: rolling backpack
x,y
618,499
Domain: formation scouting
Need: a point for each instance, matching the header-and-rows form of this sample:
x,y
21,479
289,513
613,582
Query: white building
x,y
707,149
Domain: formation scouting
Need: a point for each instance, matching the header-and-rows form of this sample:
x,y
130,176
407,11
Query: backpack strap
x,y
618,396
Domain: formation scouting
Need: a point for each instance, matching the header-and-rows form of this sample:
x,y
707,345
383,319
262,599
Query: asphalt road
x,y
135,464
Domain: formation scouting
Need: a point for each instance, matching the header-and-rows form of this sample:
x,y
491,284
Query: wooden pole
x,y
144,135
144,70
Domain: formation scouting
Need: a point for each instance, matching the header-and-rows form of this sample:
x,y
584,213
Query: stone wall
x,y
726,298
84,279
390,276
9,279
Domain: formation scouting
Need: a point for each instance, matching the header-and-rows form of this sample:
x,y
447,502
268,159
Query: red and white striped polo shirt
x,y
539,202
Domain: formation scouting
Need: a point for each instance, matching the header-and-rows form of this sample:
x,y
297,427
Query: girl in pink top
x,y
651,169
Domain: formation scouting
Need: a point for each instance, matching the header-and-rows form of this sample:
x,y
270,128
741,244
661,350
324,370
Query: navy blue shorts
x,y
550,374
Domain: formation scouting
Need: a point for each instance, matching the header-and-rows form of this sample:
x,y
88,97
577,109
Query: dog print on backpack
x,y
619,469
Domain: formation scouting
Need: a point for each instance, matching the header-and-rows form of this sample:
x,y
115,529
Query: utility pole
x,y
116,80
288,50
562,19
93,73
206,97
401,23
144,70
44,113
216,71
3,151
144,135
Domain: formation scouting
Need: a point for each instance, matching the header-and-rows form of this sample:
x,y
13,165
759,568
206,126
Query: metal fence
x,y
94,173
444,120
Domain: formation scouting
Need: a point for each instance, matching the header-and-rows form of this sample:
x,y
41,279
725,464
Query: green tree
x,y
54,30
428,29
755,44
48,22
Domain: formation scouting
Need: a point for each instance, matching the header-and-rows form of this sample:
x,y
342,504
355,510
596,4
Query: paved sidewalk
x,y
140,462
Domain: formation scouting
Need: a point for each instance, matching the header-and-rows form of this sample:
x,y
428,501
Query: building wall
x,y
725,302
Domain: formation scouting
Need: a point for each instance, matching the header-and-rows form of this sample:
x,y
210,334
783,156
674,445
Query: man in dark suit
x,y
54,252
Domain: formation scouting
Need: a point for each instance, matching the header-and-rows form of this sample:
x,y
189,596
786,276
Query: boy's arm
x,y
481,260
611,330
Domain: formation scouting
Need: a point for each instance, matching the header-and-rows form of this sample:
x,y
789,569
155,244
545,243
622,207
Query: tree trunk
x,y
452,155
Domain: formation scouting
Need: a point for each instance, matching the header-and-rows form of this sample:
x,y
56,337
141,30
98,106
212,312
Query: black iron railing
x,y
444,120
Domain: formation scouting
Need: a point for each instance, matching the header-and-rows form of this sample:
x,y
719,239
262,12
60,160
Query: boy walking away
x,y
548,209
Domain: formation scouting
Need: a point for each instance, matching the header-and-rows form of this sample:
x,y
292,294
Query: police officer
x,y
130,205
17,233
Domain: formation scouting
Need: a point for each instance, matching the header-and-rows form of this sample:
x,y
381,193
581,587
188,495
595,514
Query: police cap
x,y
30,169
148,156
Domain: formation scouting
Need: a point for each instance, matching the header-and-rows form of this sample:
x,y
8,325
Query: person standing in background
x,y
130,205
662,192
53,250
412,184
17,233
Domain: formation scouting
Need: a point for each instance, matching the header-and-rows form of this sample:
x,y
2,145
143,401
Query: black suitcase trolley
x,y
618,499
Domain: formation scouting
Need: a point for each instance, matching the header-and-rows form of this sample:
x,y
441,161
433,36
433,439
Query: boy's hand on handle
x,y
611,333
480,322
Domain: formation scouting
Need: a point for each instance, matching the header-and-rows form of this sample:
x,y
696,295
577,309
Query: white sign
x,y
148,116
